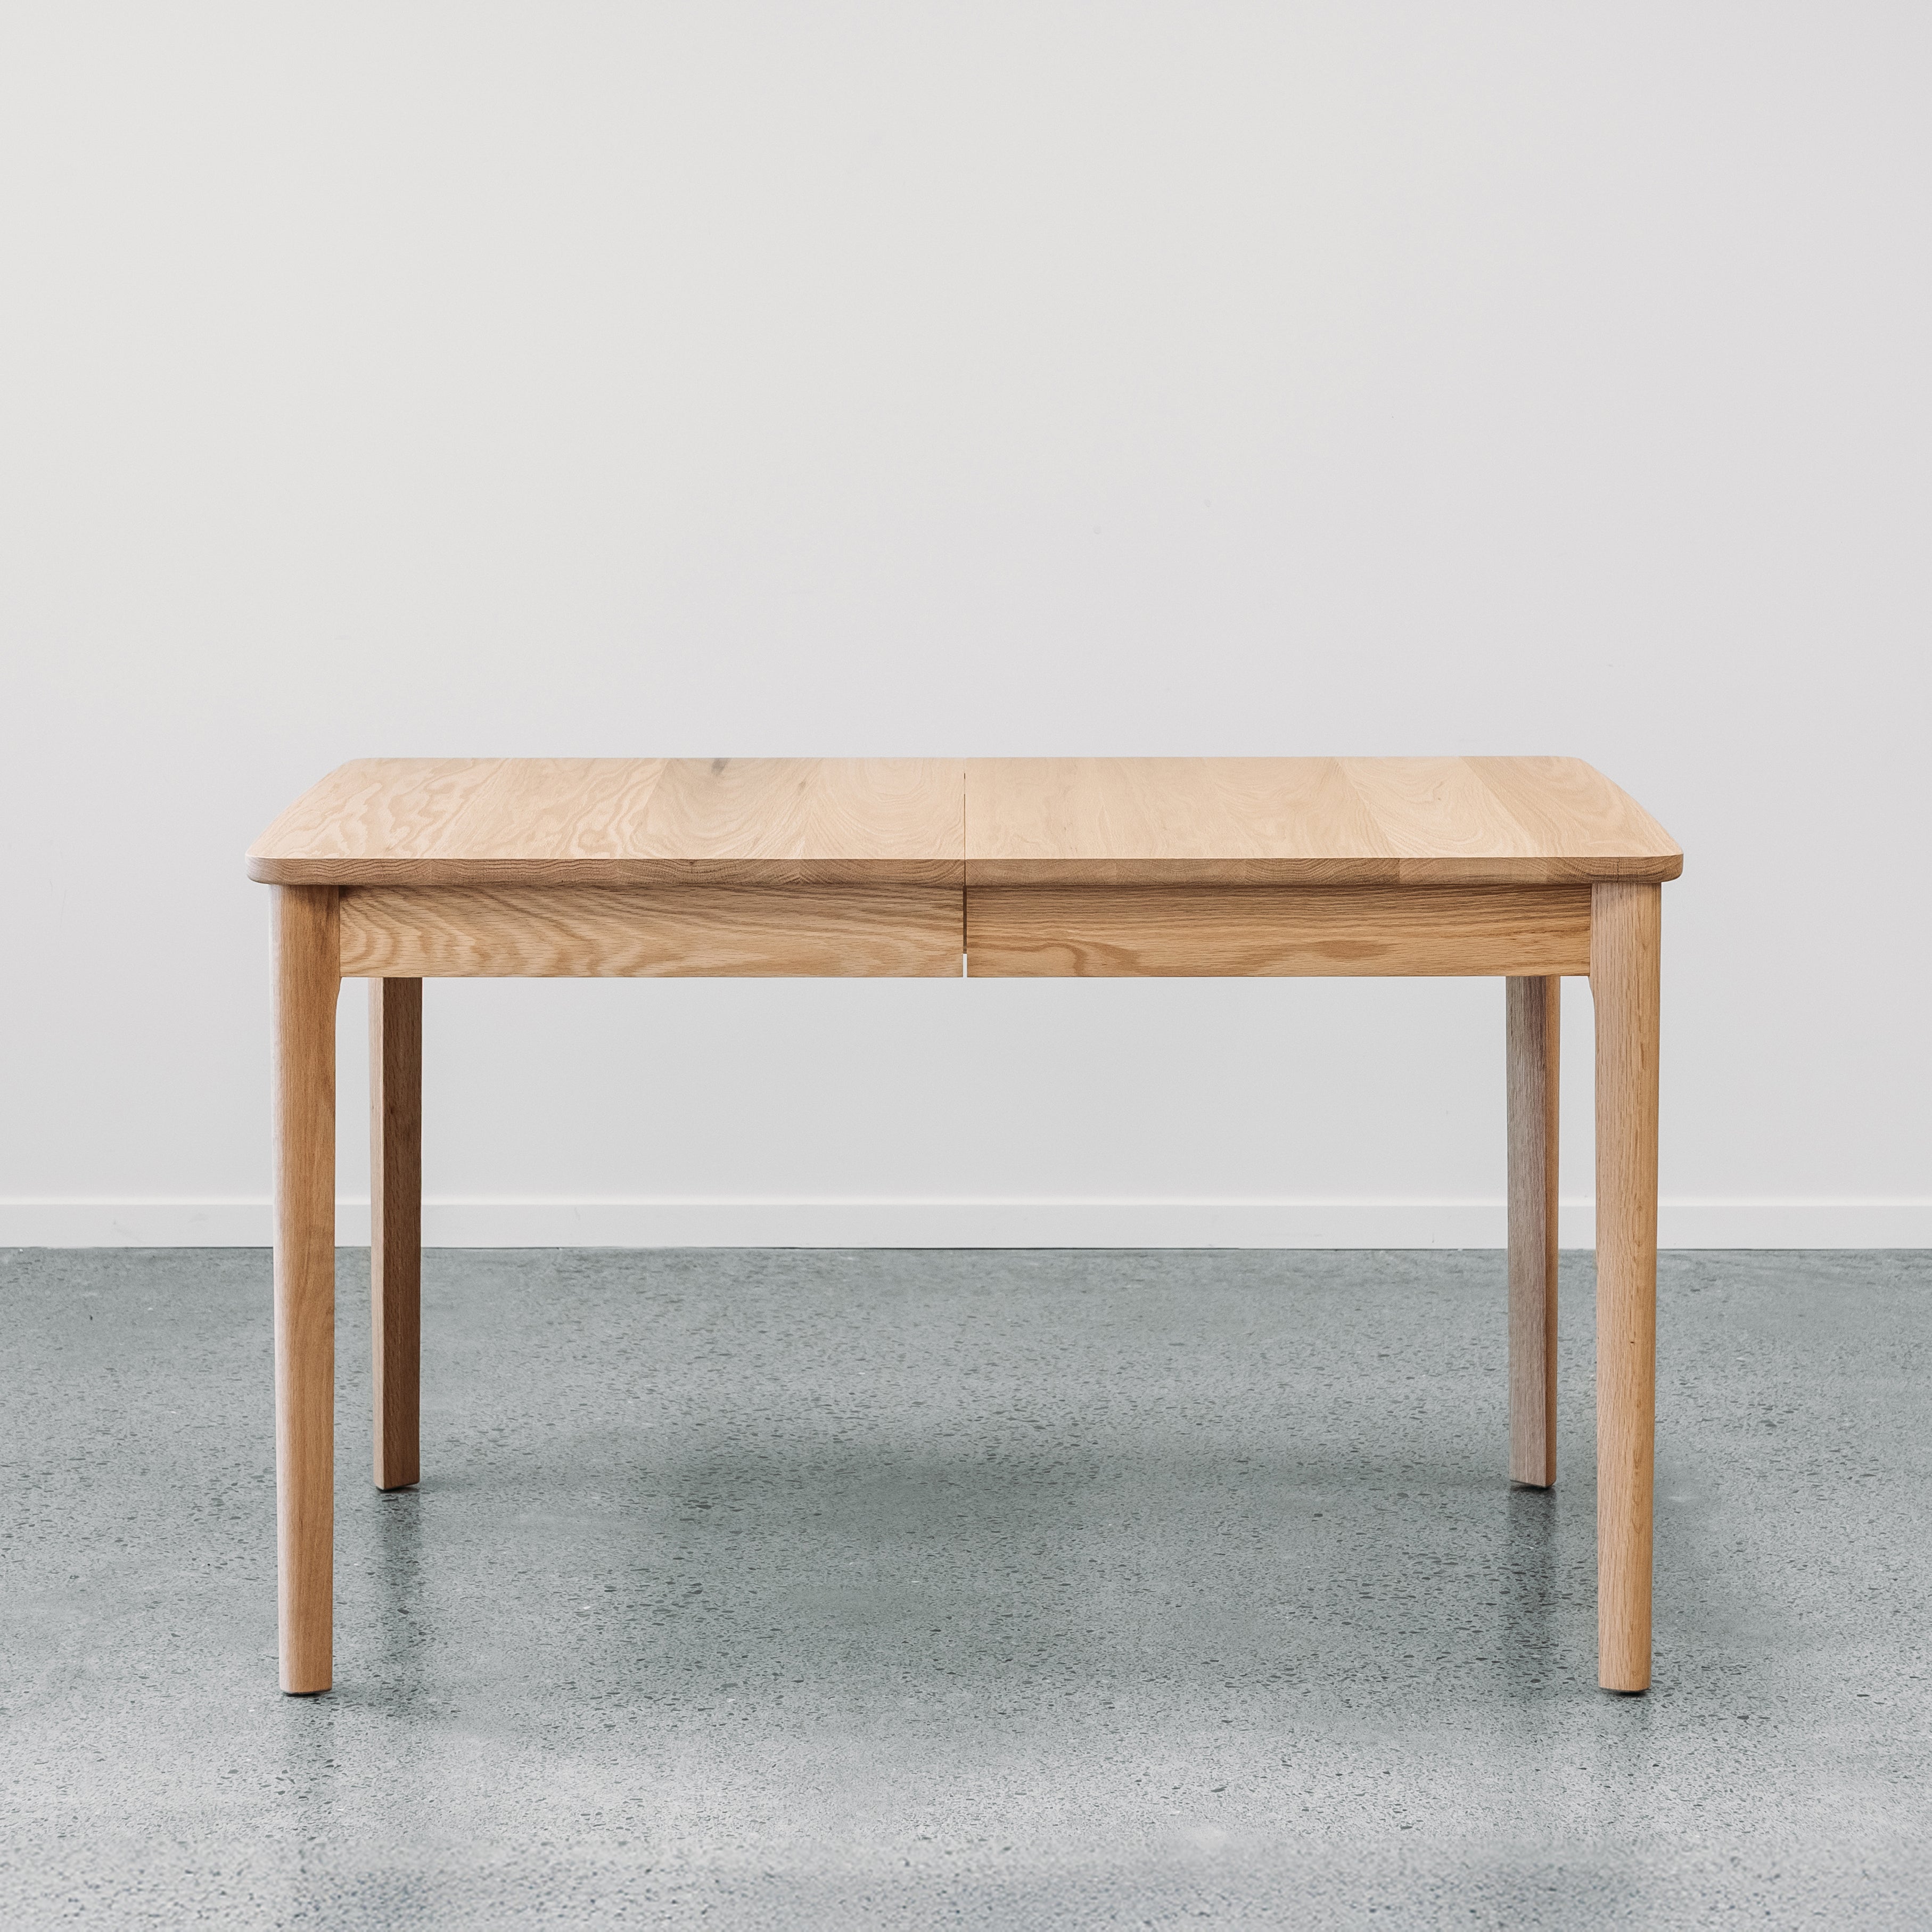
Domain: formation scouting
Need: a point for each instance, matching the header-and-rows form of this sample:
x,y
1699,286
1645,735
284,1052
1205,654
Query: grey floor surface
x,y
1003,1589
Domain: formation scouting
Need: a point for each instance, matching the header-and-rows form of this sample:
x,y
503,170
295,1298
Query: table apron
x,y
709,931
1314,931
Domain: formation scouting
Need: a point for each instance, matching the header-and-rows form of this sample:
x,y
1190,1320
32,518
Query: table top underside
x,y
983,821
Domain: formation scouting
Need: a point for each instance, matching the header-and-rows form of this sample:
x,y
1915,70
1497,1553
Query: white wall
x,y
848,379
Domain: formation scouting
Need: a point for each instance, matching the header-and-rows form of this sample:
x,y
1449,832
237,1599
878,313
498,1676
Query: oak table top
x,y
963,822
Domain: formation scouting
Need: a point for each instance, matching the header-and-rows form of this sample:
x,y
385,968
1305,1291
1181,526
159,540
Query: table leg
x,y
1625,941
1531,1007
395,1225
308,976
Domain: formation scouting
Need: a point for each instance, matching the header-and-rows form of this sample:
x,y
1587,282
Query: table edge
x,y
1643,869
1491,870
269,871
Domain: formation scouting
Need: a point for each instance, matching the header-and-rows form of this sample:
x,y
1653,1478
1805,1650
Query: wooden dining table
x,y
398,870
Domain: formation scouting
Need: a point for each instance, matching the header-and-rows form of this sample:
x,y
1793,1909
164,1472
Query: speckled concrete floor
x,y
1049,1589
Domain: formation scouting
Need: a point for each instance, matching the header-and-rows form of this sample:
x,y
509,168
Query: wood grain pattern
x,y
624,821
606,931
306,984
395,1227
1566,806
999,821
1435,811
1180,932
1532,1014
371,806
1153,821
1304,821
1624,980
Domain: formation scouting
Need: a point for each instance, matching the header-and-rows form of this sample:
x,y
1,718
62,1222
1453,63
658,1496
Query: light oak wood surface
x,y
306,984
1532,1011
1305,821
1184,931
1626,927
395,1227
623,821
991,821
446,932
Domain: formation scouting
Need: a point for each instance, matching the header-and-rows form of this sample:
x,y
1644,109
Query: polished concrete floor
x,y
999,1589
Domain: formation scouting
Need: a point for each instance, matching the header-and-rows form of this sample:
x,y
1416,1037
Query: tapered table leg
x,y
395,1225
308,976
1625,940
1532,1010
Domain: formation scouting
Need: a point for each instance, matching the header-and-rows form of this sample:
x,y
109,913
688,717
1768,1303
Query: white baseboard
x,y
967,1224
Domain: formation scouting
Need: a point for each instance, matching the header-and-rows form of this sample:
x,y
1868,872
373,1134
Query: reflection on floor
x,y
1006,1589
